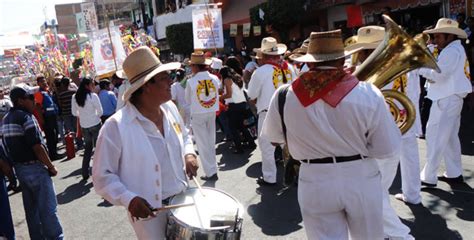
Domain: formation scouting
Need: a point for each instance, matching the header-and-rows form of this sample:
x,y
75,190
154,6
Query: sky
x,y
27,15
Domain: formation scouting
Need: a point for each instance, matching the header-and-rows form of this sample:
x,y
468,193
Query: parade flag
x,y
246,29
257,30
207,28
233,30
90,17
102,47
354,16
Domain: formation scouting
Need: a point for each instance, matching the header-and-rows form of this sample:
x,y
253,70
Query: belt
x,y
333,159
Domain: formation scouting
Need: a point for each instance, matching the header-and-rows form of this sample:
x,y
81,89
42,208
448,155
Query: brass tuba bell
x,y
395,56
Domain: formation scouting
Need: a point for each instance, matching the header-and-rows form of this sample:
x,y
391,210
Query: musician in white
x,y
263,83
144,152
202,93
447,90
339,188
367,40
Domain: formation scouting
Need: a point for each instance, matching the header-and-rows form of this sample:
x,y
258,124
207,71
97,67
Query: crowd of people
x,y
141,127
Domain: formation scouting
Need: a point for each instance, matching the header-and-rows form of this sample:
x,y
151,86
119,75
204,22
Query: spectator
x,y
25,147
64,99
108,100
6,222
86,106
5,104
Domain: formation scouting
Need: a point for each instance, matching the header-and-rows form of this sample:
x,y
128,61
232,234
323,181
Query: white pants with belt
x,y
204,131
442,139
410,168
152,228
269,169
341,200
393,228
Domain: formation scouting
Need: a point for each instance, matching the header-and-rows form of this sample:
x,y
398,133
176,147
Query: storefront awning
x,y
377,7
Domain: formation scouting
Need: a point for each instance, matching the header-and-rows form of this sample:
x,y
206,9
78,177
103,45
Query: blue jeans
x,y
70,125
39,201
90,137
6,222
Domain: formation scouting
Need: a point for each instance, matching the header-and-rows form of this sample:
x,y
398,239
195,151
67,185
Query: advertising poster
x,y
246,29
233,30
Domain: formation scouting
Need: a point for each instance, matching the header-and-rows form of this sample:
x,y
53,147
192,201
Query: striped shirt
x,y
64,100
20,132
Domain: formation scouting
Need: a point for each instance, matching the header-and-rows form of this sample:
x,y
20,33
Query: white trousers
x,y
392,226
269,169
204,131
410,168
341,200
442,139
152,228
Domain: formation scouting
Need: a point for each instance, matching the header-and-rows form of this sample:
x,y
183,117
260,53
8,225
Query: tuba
x,y
395,56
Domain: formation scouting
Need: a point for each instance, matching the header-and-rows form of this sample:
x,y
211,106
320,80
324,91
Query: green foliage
x,y
180,38
281,14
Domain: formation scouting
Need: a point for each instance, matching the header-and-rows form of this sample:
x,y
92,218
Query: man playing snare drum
x,y
144,152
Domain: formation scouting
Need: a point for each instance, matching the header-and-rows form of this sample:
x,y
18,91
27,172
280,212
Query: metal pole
x,y
110,37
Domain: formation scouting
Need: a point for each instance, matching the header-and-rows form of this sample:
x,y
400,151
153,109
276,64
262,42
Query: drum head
x,y
215,209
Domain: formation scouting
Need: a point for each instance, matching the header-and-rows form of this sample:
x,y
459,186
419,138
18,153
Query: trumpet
x,y
395,56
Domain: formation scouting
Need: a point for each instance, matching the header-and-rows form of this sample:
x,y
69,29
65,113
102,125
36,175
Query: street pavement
x,y
447,212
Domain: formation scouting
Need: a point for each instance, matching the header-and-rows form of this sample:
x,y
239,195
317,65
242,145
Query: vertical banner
x,y
233,30
207,28
257,30
80,22
102,50
246,29
90,17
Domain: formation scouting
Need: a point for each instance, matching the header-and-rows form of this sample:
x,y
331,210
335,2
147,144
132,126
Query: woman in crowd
x,y
86,105
234,95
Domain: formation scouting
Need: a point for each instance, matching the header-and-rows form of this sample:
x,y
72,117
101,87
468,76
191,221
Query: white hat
x,y
449,26
368,37
216,63
269,46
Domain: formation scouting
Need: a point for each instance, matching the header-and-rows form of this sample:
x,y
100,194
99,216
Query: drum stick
x,y
199,186
172,207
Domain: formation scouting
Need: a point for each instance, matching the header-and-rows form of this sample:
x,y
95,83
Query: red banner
x,y
354,16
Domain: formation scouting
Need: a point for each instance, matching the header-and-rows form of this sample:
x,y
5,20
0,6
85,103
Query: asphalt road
x,y
270,212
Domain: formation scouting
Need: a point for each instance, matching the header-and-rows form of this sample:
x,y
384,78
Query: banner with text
x,y
102,47
90,17
207,29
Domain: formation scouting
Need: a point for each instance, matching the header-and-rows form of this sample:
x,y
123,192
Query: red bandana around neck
x,y
332,85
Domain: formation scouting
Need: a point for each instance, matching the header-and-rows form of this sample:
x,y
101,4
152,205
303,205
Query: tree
x,y
282,15
180,38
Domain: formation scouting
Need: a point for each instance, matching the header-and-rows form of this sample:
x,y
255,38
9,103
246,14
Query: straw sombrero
x,y
269,46
142,65
368,37
199,58
325,46
449,26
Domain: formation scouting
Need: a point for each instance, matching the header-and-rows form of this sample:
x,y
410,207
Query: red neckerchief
x,y
332,85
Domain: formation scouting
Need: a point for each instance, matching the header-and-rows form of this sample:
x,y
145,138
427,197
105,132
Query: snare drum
x,y
216,215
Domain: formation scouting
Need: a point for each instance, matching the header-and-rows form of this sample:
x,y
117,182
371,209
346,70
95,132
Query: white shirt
x,y
178,94
263,83
360,124
5,105
251,66
202,93
452,80
89,114
120,103
152,168
237,94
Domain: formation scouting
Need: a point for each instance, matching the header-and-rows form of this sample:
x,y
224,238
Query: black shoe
x,y
427,184
262,182
211,178
458,179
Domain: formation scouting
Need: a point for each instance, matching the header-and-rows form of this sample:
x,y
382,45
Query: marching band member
x,y
144,151
202,93
263,83
367,39
447,90
339,180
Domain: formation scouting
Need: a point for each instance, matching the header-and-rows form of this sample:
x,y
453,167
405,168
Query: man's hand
x,y
53,171
140,208
192,165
